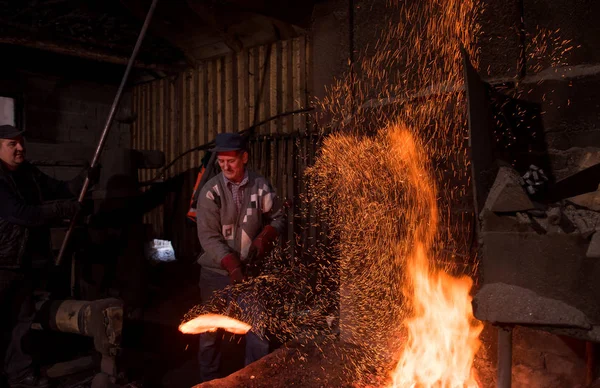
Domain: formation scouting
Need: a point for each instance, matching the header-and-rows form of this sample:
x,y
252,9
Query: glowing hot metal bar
x,y
212,322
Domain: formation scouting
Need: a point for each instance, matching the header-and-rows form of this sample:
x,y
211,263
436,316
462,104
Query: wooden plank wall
x,y
224,95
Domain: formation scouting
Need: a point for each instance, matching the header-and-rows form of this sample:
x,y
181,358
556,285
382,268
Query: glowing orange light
x,y
212,322
442,332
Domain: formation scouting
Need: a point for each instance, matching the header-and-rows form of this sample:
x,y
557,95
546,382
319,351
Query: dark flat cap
x,y
9,132
229,142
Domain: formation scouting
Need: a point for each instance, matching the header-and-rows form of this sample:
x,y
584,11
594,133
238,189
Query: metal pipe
x,y
590,363
504,356
109,120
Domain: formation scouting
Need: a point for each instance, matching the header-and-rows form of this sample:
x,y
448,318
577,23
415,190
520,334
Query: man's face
x,y
12,151
233,164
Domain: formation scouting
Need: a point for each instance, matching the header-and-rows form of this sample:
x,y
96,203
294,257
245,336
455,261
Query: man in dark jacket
x,y
25,247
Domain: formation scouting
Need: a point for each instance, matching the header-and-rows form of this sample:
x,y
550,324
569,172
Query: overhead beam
x,y
175,33
82,52
291,12
212,15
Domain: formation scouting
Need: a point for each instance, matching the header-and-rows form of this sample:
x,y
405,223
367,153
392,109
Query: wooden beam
x,y
178,33
213,16
82,52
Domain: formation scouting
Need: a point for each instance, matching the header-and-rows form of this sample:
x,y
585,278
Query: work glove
x,y
92,173
232,264
262,244
65,209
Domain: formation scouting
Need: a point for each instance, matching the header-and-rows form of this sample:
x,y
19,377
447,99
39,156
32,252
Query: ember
x,y
212,322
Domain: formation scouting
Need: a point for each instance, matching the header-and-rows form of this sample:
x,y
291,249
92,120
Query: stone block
x,y
526,307
507,194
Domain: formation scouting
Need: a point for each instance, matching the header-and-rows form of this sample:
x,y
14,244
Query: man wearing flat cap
x,y
25,248
239,216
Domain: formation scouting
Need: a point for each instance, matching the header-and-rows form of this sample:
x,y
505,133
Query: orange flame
x,y
212,322
442,332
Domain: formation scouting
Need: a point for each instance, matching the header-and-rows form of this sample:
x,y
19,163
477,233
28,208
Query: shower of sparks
x,y
414,76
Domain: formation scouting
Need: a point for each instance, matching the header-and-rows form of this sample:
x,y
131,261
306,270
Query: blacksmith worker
x,y
25,248
238,215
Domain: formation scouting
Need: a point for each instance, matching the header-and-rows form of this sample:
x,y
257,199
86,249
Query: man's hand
x,y
262,244
232,264
66,209
93,174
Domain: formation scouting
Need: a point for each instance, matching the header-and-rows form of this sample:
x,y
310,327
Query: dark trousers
x,y
18,312
209,355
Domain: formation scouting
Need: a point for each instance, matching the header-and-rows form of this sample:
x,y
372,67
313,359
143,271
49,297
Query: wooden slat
x,y
196,126
263,84
308,74
166,123
296,80
302,80
229,92
242,89
253,89
187,130
134,127
202,104
178,122
287,90
274,87
161,146
212,71
219,97
172,124
291,194
191,136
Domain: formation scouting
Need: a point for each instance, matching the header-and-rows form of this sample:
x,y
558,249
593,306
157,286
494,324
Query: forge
x,y
437,162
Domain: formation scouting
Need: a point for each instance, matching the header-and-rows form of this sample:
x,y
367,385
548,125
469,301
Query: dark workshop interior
x,y
421,177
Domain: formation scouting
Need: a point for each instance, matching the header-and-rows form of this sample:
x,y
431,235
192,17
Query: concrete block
x,y
551,266
526,307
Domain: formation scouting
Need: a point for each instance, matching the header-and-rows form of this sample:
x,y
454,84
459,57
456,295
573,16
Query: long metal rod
x,y
504,356
109,120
